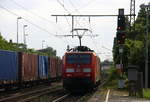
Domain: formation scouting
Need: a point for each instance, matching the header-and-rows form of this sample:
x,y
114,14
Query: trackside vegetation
x,y
112,78
135,46
146,93
5,45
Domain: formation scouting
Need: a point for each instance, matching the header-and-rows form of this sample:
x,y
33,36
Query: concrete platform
x,y
114,96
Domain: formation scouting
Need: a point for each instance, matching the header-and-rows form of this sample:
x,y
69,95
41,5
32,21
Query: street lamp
x,y
17,27
146,37
24,34
43,43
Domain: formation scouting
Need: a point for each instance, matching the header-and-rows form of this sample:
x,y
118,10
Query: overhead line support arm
x,y
92,15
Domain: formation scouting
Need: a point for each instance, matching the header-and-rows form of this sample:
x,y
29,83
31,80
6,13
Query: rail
x,y
31,95
61,98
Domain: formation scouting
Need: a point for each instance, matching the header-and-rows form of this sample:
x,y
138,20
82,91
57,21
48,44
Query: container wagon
x,y
8,68
19,69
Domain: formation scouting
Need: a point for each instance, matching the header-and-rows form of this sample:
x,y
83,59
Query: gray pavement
x,y
114,96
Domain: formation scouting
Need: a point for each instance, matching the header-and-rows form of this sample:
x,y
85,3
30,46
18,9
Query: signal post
x,y
120,37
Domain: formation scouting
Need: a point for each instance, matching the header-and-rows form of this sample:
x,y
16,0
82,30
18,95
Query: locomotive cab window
x,y
78,58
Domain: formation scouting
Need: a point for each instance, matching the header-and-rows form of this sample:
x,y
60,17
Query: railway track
x,y
59,99
31,95
69,98
55,94
80,97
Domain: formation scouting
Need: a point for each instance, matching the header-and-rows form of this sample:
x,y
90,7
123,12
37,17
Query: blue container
x,y
8,65
43,67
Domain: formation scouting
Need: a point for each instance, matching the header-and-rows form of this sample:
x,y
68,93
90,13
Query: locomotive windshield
x,y
78,58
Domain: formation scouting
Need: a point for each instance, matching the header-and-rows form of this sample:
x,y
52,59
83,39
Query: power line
x,y
41,17
26,20
85,24
73,5
106,48
83,19
87,4
77,21
63,6
66,11
76,11
29,22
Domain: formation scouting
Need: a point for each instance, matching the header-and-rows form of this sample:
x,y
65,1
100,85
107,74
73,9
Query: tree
x,y
49,51
135,42
5,45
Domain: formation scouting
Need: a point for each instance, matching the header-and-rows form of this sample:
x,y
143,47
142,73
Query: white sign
x,y
121,50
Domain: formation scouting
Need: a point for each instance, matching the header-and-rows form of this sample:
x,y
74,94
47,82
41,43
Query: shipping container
x,y
59,70
29,67
43,67
52,67
8,66
57,66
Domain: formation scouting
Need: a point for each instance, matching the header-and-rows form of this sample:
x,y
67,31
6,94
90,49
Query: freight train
x,y
81,69
19,69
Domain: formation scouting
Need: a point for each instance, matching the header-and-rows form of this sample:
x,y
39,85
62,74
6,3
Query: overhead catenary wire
x,y
76,11
41,17
62,4
84,19
35,14
93,40
94,43
35,25
106,48
87,4
89,25
26,20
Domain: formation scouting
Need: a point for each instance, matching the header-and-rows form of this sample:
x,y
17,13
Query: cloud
x,y
105,27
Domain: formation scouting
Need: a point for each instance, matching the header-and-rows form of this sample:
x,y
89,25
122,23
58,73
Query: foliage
x,y
5,45
134,48
106,63
49,51
136,52
112,77
146,93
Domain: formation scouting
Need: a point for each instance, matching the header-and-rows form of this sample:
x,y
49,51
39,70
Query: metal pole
x,y
80,40
17,29
43,44
24,35
72,25
146,60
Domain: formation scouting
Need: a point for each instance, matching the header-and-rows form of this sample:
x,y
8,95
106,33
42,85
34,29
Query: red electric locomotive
x,y
81,69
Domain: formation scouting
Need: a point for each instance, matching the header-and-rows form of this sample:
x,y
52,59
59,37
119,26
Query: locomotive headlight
x,y
69,70
87,70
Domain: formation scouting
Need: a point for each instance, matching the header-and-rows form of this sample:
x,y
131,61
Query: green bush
x,y
146,93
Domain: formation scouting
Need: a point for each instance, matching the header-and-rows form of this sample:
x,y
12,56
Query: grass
x,y
112,84
146,93
113,79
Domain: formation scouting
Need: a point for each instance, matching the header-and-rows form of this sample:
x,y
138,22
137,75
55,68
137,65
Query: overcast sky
x,y
42,26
